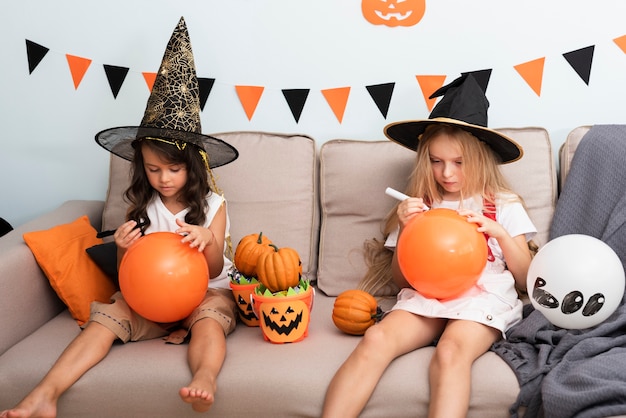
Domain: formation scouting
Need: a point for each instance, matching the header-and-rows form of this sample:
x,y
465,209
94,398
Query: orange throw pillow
x,y
77,280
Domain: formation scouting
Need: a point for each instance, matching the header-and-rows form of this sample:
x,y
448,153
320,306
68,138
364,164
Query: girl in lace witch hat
x,y
169,191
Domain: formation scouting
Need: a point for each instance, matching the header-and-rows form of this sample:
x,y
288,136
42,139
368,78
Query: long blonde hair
x,y
482,177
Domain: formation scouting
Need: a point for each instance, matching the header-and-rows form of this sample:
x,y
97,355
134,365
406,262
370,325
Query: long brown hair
x,y
482,177
193,194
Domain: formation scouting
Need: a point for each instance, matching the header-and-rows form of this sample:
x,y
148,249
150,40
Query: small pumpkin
x,y
355,311
279,269
248,251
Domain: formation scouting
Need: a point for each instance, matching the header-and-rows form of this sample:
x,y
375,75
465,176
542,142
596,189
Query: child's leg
x,y
398,333
460,345
85,351
207,350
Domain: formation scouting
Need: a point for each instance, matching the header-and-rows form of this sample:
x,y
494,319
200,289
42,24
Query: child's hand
x,y
485,225
196,236
127,234
408,208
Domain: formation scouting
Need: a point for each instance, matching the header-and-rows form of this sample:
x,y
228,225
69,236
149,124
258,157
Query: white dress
x,y
493,300
161,219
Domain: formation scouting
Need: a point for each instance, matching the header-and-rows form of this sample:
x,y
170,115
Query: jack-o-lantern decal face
x,y
393,12
285,321
244,306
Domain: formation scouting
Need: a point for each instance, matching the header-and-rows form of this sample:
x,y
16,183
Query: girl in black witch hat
x,y
456,168
171,190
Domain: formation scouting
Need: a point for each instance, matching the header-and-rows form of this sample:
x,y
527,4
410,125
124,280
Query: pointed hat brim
x,y
408,134
119,141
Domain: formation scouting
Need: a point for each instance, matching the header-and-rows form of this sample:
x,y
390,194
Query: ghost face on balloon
x,y
576,281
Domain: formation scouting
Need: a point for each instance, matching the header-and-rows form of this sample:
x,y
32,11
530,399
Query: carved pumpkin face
x,y
393,13
284,321
242,293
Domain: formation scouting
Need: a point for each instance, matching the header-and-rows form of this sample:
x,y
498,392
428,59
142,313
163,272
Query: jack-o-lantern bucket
x,y
284,316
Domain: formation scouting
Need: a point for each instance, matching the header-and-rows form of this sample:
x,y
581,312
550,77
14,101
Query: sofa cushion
x,y
353,178
275,175
350,170
567,150
77,280
534,176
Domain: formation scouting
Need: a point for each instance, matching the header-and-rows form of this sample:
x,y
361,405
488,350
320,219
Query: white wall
x,y
48,154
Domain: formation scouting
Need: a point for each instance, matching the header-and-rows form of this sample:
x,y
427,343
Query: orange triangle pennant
x,y
150,78
249,97
337,99
532,73
429,84
78,68
621,42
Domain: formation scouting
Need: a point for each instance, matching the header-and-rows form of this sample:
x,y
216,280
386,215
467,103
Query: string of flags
x,y
337,98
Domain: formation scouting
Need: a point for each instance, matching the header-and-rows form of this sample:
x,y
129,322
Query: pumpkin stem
x,y
378,315
275,247
260,240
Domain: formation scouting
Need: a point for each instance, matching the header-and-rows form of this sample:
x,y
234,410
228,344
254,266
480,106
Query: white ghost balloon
x,y
576,281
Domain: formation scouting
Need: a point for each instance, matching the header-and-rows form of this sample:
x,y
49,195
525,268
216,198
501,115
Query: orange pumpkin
x,y
393,13
248,251
355,311
279,269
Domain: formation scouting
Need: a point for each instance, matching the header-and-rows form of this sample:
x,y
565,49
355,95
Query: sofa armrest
x,y
26,299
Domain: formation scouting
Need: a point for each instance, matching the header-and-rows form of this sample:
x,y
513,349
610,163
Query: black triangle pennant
x,y
296,98
116,76
482,78
581,60
35,54
381,94
205,85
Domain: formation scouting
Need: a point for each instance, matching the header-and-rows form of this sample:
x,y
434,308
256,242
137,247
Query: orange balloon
x,y
163,279
440,254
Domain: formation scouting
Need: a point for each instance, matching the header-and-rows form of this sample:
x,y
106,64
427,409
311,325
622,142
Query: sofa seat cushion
x,y
277,380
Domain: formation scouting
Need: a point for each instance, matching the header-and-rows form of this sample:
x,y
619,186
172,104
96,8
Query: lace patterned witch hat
x,y
172,113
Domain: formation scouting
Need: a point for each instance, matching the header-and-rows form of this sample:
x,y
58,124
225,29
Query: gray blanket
x,y
578,373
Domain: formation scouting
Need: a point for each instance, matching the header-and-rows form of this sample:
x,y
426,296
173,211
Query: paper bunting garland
x,y
532,73
35,53
621,42
205,85
296,98
580,60
249,97
78,68
116,76
482,77
429,84
337,98
381,94
150,78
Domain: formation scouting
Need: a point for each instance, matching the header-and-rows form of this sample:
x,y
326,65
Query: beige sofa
x,y
324,201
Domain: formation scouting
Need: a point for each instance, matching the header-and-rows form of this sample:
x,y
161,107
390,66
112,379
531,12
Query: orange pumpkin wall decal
x,y
393,13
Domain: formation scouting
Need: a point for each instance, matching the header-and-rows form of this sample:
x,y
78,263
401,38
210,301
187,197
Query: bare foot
x,y
200,399
32,406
